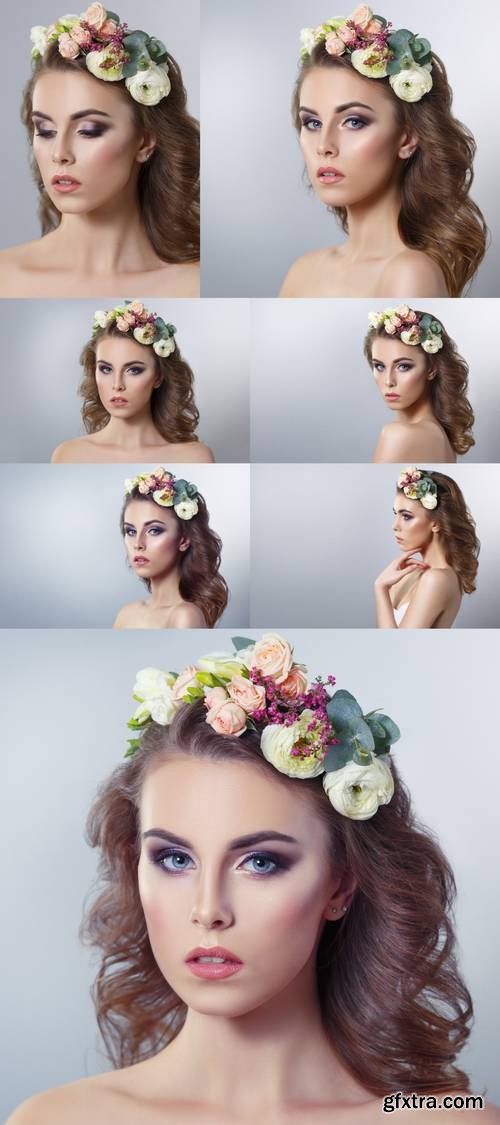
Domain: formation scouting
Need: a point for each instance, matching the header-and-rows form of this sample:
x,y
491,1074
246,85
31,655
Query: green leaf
x,y
241,642
358,735
133,745
393,66
157,50
425,322
112,16
381,20
192,694
337,757
392,731
421,47
376,728
208,679
361,757
135,41
134,724
342,708
398,40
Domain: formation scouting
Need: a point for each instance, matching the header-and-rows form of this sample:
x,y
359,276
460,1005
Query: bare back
x,y
410,591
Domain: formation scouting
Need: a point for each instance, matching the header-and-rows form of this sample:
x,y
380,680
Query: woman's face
x,y
401,372
350,137
126,375
153,538
232,864
412,524
86,143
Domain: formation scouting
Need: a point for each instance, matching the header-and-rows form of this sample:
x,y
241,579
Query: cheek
x,y
375,148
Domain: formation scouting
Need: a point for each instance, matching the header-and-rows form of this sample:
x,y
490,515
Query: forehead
x,y
60,93
403,502
123,349
388,348
213,802
331,86
143,511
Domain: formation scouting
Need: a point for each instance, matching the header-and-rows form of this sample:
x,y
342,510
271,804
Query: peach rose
x,y
346,34
96,16
404,311
129,317
122,324
136,307
334,45
273,657
108,29
390,327
251,697
362,16
186,679
81,36
67,46
374,27
214,698
295,683
229,718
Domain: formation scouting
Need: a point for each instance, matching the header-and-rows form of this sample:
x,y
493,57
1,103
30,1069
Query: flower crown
x,y
305,731
411,327
166,490
376,51
416,485
146,327
111,52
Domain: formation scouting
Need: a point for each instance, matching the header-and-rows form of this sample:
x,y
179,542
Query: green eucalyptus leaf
x,y
342,708
376,728
421,46
381,20
361,757
157,50
171,329
241,642
425,322
393,66
392,731
358,735
399,40
337,757
381,749
135,41
112,16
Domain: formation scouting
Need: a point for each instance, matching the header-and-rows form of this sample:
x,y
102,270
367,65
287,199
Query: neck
x,y
111,239
419,411
165,589
434,554
133,433
282,1041
373,225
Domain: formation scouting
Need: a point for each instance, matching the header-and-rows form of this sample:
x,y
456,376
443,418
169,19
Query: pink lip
x,y
392,396
208,970
331,175
140,560
119,401
68,186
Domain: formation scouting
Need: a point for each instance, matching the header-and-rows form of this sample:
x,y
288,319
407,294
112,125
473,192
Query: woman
x,y
420,376
169,544
431,519
137,390
372,108
116,163
266,905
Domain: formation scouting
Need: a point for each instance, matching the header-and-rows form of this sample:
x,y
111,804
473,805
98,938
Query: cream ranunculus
x,y
308,39
164,497
373,319
428,500
411,83
145,334
101,318
370,61
104,64
432,344
411,335
153,689
39,39
273,657
276,744
357,791
186,509
148,87
164,346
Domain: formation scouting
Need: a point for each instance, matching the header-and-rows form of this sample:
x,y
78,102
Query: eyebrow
x,y
397,511
239,842
339,108
74,116
401,359
147,524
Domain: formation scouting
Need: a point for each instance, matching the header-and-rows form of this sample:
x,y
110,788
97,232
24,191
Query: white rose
x,y
39,38
429,500
149,86
273,656
222,664
373,319
308,39
153,689
432,344
95,61
357,791
276,743
186,509
164,347
411,83
101,318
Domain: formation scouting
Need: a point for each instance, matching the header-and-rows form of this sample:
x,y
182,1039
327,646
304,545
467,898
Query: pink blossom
x,y
81,36
122,324
96,16
227,718
295,683
373,28
67,47
108,30
136,307
129,317
346,34
390,327
334,45
215,697
186,679
362,16
251,697
403,311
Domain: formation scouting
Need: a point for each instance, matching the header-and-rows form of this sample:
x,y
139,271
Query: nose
x,y
118,381
327,144
211,909
61,153
390,377
395,526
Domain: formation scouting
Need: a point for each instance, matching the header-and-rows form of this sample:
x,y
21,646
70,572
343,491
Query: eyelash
x,y
404,367
308,121
90,135
279,863
155,530
103,369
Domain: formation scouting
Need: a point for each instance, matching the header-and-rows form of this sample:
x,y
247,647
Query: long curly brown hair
x,y
437,214
200,581
457,530
392,999
448,389
173,408
168,183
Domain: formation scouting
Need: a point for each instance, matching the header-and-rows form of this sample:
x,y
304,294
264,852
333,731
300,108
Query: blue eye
x,y
135,370
265,863
172,860
311,123
103,369
156,530
404,366
355,123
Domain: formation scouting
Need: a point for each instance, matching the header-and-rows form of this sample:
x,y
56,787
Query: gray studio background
x,y
67,700
321,534
42,342
66,566
258,214
314,397
177,24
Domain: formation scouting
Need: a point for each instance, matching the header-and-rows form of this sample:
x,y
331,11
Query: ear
x,y
148,145
408,146
431,375
184,543
339,902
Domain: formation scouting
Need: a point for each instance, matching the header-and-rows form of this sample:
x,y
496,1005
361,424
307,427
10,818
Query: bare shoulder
x,y
187,616
127,614
409,441
182,279
300,273
73,1104
196,452
413,273
68,451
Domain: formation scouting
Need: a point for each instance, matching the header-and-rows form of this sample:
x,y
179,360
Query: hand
x,y
404,564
